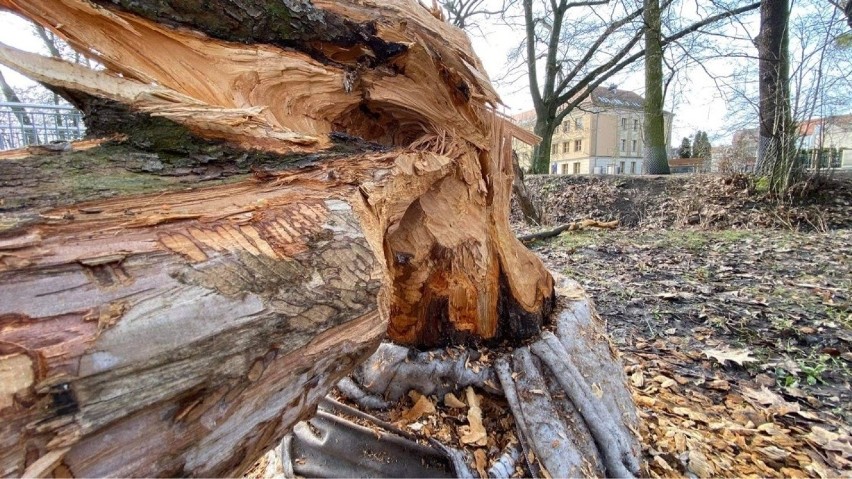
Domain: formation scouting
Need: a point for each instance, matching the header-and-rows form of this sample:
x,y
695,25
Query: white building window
x,y
624,123
623,145
578,145
576,167
634,146
633,165
578,123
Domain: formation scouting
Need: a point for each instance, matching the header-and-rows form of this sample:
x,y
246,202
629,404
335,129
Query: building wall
x,y
602,143
840,136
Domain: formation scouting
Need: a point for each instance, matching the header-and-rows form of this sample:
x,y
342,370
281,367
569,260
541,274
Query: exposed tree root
x,y
568,395
394,370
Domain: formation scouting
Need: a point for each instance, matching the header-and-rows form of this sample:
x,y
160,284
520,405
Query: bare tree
x,y
775,157
21,114
571,48
465,13
654,150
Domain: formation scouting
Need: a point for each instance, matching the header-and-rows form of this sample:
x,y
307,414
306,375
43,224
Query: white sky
x,y
702,109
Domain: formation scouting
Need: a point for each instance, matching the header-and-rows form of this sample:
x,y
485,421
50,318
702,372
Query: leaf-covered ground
x,y
733,314
775,306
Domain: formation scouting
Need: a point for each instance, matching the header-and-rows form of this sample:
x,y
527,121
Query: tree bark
x,y
519,188
166,331
655,152
543,152
775,151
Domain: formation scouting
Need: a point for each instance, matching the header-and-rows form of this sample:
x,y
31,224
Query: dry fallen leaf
x,y
764,397
638,379
699,465
822,436
774,453
474,433
719,385
724,354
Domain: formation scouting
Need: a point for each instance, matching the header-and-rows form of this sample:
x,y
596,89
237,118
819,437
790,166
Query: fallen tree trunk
x,y
575,226
149,329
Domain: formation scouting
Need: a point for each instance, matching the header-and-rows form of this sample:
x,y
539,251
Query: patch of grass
x,y
839,315
731,236
687,239
577,239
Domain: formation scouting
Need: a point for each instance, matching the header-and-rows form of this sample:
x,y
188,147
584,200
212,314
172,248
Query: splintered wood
x,y
155,329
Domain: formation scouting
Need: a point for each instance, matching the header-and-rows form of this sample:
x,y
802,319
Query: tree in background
x,y
24,119
775,150
571,48
685,150
464,13
654,151
701,145
818,82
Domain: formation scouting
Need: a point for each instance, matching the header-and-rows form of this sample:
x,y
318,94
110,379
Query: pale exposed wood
x,y
246,126
183,332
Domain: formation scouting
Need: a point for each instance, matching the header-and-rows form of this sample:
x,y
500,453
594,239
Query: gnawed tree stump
x,y
286,182
152,330
567,391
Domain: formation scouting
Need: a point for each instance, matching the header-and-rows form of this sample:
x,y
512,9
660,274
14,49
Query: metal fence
x,y
25,124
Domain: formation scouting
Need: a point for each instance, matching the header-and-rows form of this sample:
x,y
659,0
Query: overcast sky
x,y
702,108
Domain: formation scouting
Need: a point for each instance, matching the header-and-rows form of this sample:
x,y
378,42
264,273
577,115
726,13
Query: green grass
x,y
579,239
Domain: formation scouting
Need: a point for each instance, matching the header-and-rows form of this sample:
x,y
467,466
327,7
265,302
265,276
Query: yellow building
x,y
603,135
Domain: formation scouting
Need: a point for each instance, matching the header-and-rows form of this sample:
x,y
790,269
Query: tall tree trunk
x,y
29,135
655,152
522,195
775,151
182,332
542,152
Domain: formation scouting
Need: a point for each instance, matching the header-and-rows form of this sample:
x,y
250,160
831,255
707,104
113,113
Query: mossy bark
x,y
655,151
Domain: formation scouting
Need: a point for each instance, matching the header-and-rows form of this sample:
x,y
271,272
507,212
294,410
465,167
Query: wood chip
x,y
474,432
422,406
450,400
